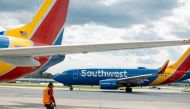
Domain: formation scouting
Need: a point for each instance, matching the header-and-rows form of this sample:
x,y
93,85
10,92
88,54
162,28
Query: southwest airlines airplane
x,y
36,46
115,78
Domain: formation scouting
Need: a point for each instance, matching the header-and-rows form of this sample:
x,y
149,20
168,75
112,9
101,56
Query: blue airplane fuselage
x,y
94,76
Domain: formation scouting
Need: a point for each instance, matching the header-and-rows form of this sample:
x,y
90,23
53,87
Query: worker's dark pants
x,y
49,106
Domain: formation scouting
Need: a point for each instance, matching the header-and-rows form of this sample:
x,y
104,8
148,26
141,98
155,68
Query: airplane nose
x,y
57,78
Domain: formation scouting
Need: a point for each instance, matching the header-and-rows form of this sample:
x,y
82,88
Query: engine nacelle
x,y
109,84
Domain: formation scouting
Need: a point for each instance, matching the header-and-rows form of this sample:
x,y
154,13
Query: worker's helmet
x,y
50,84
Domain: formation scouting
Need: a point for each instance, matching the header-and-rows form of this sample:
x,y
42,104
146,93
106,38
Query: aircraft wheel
x,y
71,88
128,90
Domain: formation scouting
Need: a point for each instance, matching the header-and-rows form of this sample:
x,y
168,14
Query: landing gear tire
x,y
71,88
128,90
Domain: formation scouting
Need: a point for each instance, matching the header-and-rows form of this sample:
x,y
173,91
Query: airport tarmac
x,y
31,98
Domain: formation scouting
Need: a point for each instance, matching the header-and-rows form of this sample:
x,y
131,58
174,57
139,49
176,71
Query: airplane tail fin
x,y
47,26
163,68
183,63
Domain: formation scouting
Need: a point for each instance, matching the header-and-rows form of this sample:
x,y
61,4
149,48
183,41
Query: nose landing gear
x,y
71,88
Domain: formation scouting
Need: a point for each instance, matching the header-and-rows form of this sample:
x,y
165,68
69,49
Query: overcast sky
x,y
107,21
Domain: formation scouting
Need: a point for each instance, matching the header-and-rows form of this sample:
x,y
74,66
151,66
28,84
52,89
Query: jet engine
x,y
109,84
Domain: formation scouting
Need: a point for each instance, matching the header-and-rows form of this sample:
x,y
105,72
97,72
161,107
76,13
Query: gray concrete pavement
x,y
31,98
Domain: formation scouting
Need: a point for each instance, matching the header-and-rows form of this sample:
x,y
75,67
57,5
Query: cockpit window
x,y
64,73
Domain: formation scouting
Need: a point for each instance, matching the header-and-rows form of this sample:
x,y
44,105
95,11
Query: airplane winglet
x,y
163,68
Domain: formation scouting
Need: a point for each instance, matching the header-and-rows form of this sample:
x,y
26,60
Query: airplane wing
x,y
62,49
142,78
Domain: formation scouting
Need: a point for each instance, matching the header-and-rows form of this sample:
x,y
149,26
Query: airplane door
x,y
75,74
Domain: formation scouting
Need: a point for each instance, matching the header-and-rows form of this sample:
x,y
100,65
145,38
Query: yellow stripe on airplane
x,y
19,42
170,70
27,30
167,74
5,67
180,61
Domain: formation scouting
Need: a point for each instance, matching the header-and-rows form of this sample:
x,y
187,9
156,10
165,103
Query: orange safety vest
x,y
46,97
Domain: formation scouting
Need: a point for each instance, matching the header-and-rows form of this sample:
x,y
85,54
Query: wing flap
x,y
135,79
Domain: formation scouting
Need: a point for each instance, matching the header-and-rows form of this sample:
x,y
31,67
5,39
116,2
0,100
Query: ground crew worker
x,y
48,98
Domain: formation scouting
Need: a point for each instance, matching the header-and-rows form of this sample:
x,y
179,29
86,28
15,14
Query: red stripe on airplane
x,y
22,71
51,26
46,34
179,73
